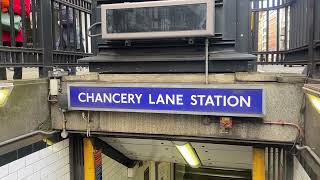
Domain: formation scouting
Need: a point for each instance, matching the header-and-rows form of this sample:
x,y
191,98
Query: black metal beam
x,y
113,153
196,66
218,173
46,37
76,157
213,140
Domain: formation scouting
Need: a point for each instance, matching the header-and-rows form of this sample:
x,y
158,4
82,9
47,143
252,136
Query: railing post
x,y
311,18
46,36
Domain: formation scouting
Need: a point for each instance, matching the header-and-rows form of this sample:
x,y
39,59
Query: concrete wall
x,y
283,102
50,163
26,110
312,126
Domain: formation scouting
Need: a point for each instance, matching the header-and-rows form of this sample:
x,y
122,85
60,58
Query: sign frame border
x,y
166,85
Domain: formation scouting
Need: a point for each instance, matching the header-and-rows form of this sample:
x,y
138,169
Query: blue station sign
x,y
183,99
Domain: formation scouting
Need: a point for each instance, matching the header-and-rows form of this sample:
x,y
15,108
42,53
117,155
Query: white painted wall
x,y
298,171
50,163
112,170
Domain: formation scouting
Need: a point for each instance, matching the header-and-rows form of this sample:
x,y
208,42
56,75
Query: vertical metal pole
x,y
256,26
54,20
62,43
89,167
258,164
34,22
75,34
274,163
286,25
289,166
68,26
278,32
81,36
269,163
86,31
267,35
12,31
207,61
279,163
46,37
24,26
311,17
76,157
0,29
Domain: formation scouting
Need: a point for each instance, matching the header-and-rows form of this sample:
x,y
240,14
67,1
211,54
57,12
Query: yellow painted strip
x,y
258,164
88,152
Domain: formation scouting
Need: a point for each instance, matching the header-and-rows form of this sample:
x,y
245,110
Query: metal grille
x,y
279,163
284,31
52,33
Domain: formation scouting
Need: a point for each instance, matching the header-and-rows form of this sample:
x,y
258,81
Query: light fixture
x,y
315,101
5,91
48,141
189,155
313,94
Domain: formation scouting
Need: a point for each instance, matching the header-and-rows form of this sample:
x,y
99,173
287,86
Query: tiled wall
x,y
164,171
112,170
298,172
47,164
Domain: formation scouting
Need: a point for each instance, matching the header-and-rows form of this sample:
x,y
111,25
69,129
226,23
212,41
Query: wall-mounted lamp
x,y
189,155
313,94
315,101
5,91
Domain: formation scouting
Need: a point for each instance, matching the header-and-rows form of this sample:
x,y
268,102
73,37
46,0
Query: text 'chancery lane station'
x,y
208,100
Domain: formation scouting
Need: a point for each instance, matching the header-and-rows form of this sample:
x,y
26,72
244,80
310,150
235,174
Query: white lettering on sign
x,y
110,98
166,99
173,99
218,100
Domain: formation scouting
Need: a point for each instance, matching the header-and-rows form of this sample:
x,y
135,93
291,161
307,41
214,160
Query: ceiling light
x,y
5,91
313,93
189,155
315,101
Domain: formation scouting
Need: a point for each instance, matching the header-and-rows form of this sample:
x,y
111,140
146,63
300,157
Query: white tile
x,y
45,152
17,164
66,176
52,177
64,152
32,158
39,165
4,170
66,143
62,171
24,172
66,160
45,172
34,176
12,176
58,146
44,178
52,158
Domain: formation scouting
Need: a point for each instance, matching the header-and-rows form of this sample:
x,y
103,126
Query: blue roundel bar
x,y
248,102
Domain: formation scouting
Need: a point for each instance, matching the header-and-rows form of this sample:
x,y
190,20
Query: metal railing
x,y
285,32
51,33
